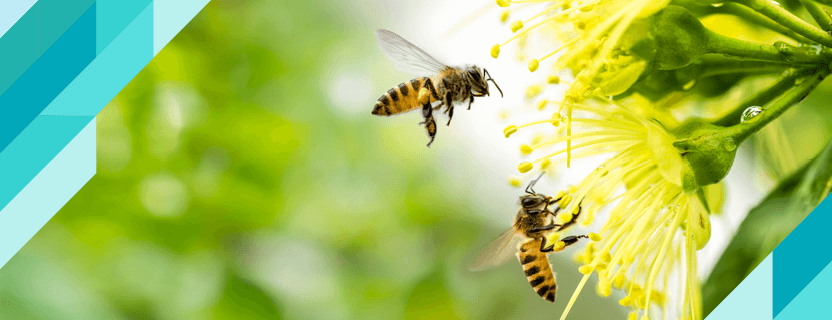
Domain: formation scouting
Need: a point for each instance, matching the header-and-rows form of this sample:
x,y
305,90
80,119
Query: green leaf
x,y
767,225
245,300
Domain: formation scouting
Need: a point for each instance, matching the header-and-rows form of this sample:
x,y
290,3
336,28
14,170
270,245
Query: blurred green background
x,y
238,180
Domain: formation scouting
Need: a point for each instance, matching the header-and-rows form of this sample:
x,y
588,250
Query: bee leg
x,y
427,111
450,105
544,228
430,123
431,127
429,85
568,241
470,101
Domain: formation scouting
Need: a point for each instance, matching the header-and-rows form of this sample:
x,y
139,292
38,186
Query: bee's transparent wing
x,y
498,251
406,56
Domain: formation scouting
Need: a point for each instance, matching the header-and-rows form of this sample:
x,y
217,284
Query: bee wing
x,y
498,251
406,56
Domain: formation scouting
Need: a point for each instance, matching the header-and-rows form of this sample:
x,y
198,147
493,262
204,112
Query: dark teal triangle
x,y
801,256
47,77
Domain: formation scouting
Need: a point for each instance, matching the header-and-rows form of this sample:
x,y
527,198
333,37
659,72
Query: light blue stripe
x,y
53,186
170,16
11,11
109,72
751,299
33,149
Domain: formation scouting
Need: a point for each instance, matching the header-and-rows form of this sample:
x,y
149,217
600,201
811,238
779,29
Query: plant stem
x,y
785,18
743,130
782,84
780,52
755,17
819,14
825,2
732,66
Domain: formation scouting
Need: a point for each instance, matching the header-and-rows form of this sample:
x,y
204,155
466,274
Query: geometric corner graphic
x,y
69,59
793,281
752,298
811,302
802,255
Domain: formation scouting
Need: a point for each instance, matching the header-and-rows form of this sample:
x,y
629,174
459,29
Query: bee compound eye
x,y
529,202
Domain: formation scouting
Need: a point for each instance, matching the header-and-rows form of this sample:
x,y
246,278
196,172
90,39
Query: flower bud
x,y
707,152
680,38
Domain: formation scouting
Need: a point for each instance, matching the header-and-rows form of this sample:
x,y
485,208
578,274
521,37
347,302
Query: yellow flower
x,y
605,44
652,228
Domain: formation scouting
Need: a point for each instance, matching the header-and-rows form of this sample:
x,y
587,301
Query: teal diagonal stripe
x,y
799,258
22,43
114,67
811,303
41,168
69,151
32,150
113,16
47,77
11,11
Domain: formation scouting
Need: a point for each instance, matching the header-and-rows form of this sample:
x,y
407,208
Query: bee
x,y
527,238
435,82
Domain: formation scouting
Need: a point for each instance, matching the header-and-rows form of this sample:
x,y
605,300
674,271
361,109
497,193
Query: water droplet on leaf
x,y
750,113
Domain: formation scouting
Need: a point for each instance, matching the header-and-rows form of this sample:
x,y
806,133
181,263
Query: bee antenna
x,y
485,73
530,187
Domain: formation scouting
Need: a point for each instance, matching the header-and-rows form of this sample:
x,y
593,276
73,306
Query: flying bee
x,y
435,82
527,237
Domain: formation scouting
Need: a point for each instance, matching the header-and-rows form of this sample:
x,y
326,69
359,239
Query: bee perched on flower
x,y
628,62
653,227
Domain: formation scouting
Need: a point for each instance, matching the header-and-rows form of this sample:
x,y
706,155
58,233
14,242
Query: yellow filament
x,y
550,8
574,296
553,17
607,123
584,135
568,43
660,256
589,143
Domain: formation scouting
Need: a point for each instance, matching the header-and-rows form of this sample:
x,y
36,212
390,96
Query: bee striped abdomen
x,y
399,99
537,269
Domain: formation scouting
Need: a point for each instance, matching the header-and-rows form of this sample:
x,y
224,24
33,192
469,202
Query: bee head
x,y
534,201
478,79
